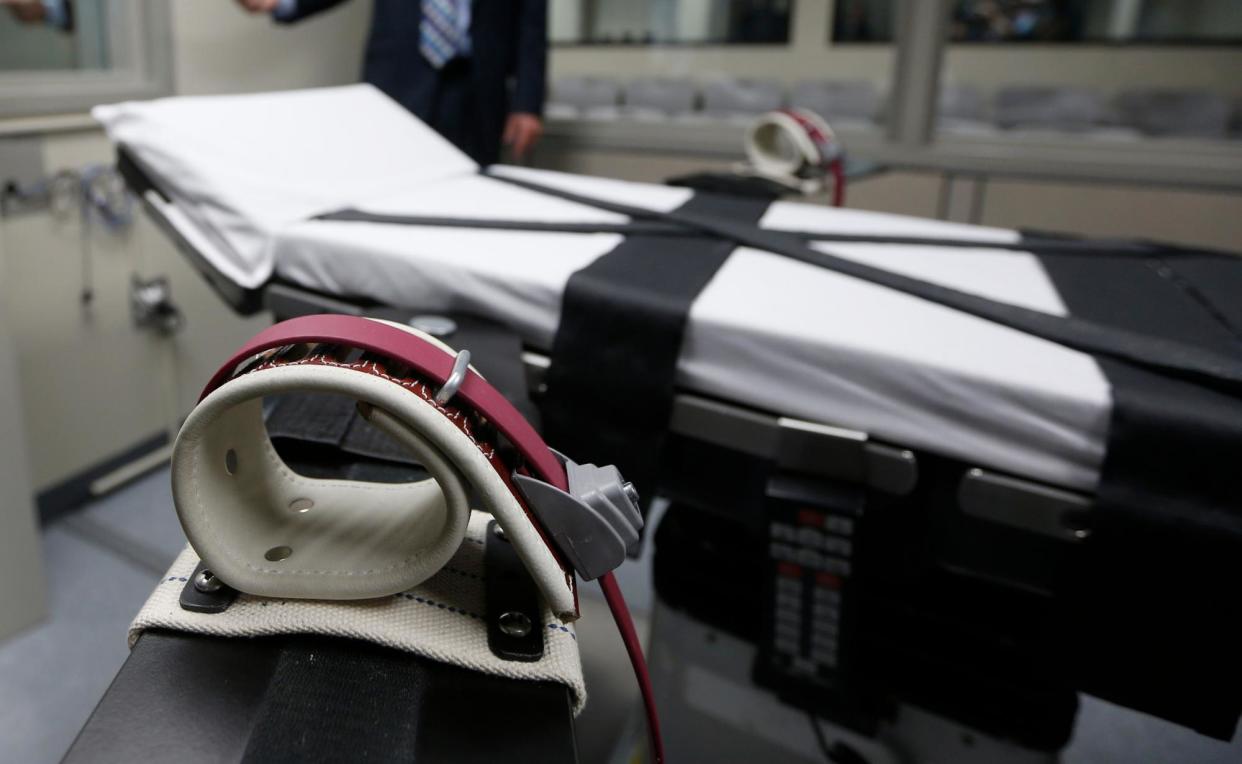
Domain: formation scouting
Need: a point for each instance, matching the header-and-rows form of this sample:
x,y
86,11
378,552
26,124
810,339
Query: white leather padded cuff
x,y
266,530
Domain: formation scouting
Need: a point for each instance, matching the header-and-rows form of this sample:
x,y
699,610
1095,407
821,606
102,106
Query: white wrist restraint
x,y
816,152
263,529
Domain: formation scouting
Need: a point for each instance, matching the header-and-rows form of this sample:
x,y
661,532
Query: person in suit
x,y
473,70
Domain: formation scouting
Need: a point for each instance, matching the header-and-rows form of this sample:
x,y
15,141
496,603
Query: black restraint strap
x,y
1038,243
1168,439
302,719
614,360
1174,358
500,224
1156,602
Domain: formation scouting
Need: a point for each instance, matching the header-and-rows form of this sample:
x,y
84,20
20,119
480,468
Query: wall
x,y
1108,68
22,582
93,384
1177,215
219,49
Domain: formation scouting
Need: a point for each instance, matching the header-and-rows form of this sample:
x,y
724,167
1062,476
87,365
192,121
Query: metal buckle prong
x,y
461,365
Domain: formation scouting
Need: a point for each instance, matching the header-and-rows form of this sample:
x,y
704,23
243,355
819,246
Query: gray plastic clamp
x,y
595,523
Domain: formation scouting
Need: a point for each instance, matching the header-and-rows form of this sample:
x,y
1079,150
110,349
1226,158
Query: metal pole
x,y
922,26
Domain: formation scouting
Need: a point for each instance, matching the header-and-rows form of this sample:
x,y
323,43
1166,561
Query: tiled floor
x,y
103,561
51,676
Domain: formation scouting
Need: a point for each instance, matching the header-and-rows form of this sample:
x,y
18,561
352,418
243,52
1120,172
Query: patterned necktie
x,y
439,36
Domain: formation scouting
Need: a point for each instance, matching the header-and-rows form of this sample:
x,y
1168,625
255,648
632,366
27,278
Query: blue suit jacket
x,y
508,51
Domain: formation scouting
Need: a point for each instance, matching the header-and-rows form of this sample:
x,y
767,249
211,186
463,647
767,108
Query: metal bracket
x,y
204,593
436,326
793,444
1025,505
513,612
595,523
797,445
151,305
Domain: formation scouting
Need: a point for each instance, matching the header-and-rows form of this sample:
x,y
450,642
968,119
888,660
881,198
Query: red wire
x,y
836,167
621,614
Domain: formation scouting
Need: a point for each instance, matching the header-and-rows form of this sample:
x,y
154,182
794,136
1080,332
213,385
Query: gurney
x,y
807,406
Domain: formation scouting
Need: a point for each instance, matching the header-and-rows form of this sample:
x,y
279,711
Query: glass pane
x,y
1055,68
39,36
1182,20
1189,21
863,21
1058,21
655,22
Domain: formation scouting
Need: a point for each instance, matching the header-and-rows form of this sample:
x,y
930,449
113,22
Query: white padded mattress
x,y
245,174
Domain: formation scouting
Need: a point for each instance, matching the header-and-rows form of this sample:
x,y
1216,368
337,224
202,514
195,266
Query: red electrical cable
x,y
837,169
621,614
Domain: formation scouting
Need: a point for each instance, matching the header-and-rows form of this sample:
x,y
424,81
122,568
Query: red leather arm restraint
x,y
435,366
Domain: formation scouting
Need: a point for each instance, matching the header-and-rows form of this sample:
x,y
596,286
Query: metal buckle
x,y
461,366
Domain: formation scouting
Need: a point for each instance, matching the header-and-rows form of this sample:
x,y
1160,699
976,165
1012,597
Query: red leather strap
x,y
436,365
830,155
427,359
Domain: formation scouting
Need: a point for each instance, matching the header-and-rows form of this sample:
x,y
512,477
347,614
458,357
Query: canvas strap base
x,y
441,619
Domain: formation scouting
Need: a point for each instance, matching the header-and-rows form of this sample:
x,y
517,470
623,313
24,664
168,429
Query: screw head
x,y
499,532
514,624
206,582
436,326
631,492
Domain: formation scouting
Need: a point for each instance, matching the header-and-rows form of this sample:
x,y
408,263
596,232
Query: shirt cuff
x,y
55,13
285,10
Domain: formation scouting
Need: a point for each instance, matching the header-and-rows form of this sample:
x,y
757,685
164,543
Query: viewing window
x,y
69,56
669,22
1058,21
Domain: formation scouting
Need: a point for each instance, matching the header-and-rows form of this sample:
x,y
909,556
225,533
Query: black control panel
x,y
806,636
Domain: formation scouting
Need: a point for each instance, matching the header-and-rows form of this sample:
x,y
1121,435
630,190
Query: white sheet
x,y
767,332
243,167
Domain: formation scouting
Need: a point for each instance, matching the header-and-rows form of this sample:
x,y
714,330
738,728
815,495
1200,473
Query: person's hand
x,y
26,11
259,6
522,132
